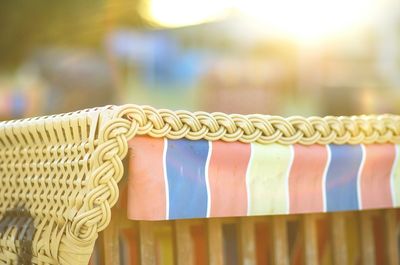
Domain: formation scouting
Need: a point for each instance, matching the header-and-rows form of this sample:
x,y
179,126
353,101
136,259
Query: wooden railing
x,y
364,237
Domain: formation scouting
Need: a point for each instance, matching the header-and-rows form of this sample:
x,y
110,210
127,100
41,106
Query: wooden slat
x,y
110,241
280,240
338,226
311,240
147,243
185,250
215,241
247,238
367,239
391,237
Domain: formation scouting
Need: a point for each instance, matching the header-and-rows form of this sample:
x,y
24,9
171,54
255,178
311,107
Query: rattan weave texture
x,y
59,174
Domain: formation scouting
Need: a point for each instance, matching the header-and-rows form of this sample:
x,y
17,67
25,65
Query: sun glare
x,y
303,20
177,13
308,20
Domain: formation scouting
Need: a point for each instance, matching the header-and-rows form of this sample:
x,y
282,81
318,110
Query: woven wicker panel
x,y
54,193
59,174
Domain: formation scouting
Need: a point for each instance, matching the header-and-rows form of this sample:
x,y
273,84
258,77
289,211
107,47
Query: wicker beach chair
x,y
59,174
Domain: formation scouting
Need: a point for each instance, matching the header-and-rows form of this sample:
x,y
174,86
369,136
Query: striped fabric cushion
x,y
178,179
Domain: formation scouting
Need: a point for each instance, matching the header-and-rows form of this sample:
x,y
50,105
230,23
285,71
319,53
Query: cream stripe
x,y
328,162
248,179
287,178
395,178
207,178
268,179
359,176
166,179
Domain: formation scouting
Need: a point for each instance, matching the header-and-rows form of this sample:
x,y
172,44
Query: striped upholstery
x,y
176,179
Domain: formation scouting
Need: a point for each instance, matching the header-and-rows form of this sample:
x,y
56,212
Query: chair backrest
x,y
59,174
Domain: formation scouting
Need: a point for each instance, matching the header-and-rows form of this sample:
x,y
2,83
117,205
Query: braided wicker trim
x,y
263,129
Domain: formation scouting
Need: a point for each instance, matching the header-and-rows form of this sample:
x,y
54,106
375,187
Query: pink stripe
x,y
305,179
375,176
146,186
227,178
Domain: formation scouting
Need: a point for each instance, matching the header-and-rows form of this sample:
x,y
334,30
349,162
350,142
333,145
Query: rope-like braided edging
x,y
263,129
95,215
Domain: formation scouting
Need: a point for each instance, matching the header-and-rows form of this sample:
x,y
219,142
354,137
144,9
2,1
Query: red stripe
x,y
305,179
375,177
227,178
146,186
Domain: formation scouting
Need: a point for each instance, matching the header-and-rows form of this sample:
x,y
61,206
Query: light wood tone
x,y
215,241
391,237
311,240
248,240
185,248
147,243
280,240
111,242
367,238
339,240
184,243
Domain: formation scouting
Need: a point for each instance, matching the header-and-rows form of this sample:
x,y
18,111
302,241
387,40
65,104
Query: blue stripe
x,y
341,178
186,162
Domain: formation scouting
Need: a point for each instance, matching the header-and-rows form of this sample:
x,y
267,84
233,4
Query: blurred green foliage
x,y
28,25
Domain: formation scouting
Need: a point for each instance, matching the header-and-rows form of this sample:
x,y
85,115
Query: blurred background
x,y
281,57
304,57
